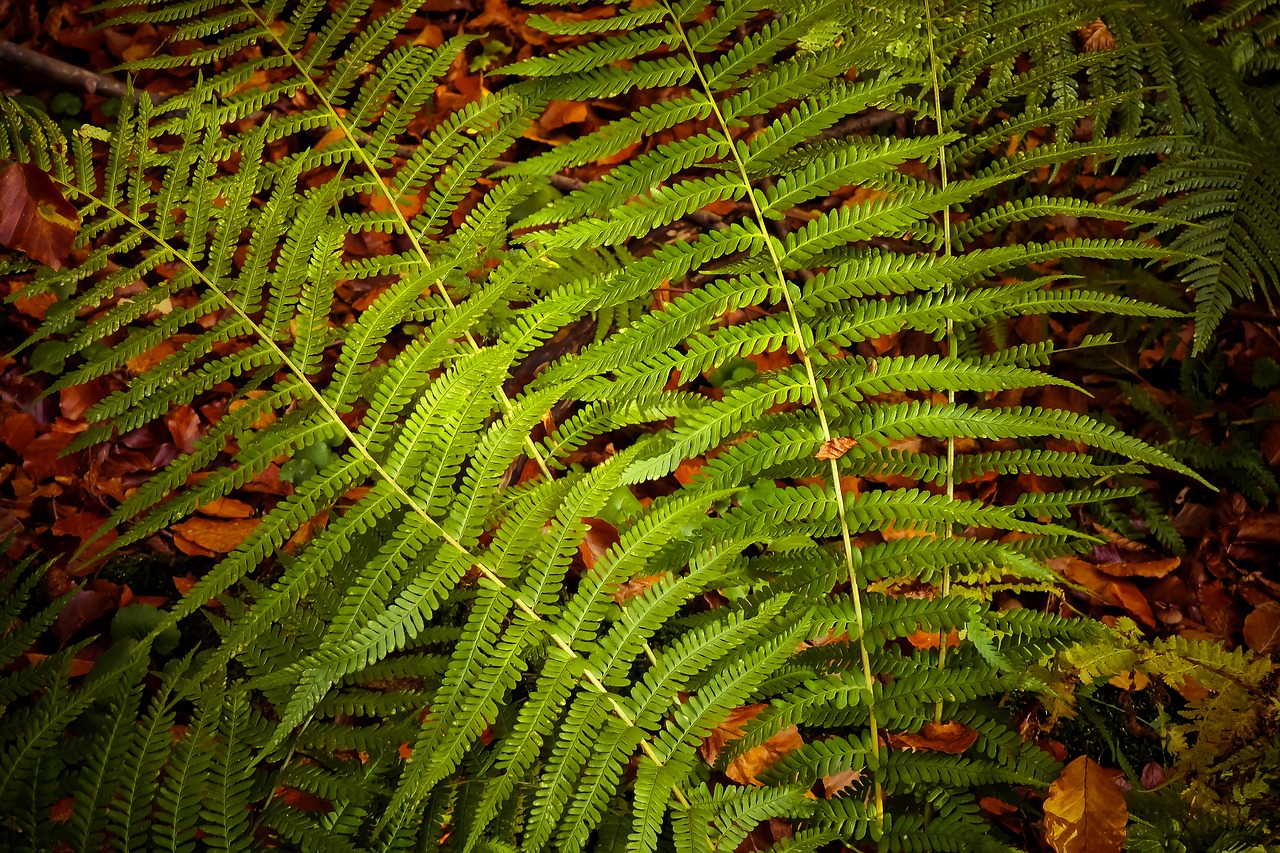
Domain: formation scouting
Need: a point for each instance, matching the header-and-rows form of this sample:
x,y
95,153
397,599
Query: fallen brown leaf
x,y
226,508
216,535
1085,811
1147,569
1262,628
950,737
745,768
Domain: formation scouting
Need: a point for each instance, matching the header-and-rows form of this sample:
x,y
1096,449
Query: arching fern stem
x,y
802,352
936,85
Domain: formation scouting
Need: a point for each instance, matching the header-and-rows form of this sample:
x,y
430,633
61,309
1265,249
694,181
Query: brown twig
x,y
63,73
1262,318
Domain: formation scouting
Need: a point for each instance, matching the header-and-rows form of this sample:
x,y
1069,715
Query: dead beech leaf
x,y
636,586
1262,628
34,217
1147,569
1085,811
600,537
950,737
834,783
184,428
226,508
746,767
731,728
215,534
1112,591
756,760
994,806
929,639
834,448
144,361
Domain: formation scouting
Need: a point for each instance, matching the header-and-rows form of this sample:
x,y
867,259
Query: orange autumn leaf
x,y
264,420
1085,811
79,666
929,639
746,767
1112,591
226,508
634,587
303,800
993,806
34,217
60,811
217,535
950,737
148,359
688,470
756,760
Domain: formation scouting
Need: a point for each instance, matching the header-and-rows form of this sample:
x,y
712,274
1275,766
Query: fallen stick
x,y
60,72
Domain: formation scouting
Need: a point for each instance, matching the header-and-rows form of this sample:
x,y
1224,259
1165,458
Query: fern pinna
x,y
432,667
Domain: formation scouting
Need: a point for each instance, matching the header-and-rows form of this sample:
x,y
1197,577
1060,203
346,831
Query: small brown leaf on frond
x,y
834,448
1097,37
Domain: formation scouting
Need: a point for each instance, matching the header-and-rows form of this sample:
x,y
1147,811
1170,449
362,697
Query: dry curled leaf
x,y
1097,37
834,448
1085,811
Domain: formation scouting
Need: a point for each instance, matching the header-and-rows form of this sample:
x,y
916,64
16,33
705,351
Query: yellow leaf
x,y
1085,811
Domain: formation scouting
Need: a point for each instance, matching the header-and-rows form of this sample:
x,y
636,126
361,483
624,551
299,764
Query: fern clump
x,y
434,665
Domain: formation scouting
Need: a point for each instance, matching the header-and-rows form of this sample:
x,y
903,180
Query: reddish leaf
x,y
601,536
184,426
994,806
1153,775
833,784
34,217
303,800
1115,592
148,359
